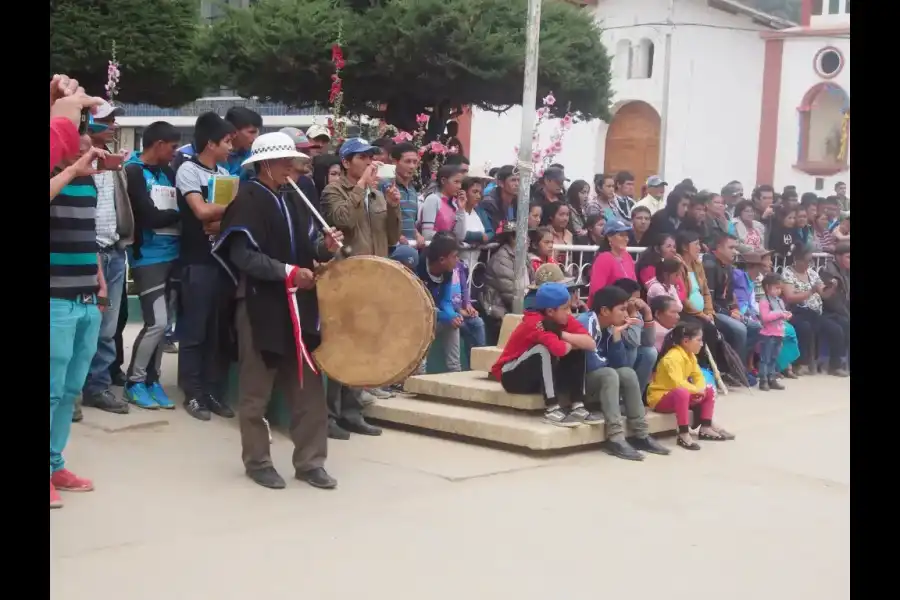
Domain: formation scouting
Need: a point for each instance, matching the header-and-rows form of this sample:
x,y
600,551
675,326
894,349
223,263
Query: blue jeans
x,y
99,379
472,331
74,328
769,347
642,359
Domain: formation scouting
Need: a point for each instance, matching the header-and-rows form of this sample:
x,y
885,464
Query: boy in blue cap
x,y
546,353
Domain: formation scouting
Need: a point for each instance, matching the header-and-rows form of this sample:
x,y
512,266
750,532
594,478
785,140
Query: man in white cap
x,y
319,138
655,200
269,241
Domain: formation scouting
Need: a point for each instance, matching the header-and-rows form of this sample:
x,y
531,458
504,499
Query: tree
x,y
155,46
406,56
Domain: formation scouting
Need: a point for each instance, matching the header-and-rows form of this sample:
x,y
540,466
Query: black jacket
x,y
720,283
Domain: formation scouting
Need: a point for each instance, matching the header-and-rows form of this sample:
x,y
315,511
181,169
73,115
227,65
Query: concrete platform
x,y
470,386
484,358
497,426
510,322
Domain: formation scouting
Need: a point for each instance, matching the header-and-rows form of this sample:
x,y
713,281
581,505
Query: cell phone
x,y
111,162
83,122
386,171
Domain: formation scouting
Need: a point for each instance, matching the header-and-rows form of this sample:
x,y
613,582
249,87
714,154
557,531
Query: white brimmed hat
x,y
270,146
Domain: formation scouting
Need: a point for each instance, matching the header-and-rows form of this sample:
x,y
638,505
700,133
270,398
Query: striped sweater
x,y
73,240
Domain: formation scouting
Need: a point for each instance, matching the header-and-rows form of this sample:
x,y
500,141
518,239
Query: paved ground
x,y
173,516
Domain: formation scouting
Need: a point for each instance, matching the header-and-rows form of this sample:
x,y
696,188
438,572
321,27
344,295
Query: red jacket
x,y
64,140
527,335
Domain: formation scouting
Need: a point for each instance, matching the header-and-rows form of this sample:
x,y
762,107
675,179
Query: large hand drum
x,y
377,321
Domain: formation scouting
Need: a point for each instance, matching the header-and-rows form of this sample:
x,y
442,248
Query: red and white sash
x,y
302,353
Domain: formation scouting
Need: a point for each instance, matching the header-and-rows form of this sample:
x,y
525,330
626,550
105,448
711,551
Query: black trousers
x,y
538,371
835,329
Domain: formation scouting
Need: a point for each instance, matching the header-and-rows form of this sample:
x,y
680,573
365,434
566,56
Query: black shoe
x,y
106,401
763,385
77,415
267,477
648,444
336,432
216,407
198,410
622,449
692,446
318,478
774,384
359,426
118,378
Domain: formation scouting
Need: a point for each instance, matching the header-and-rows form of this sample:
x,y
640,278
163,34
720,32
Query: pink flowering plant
x,y
112,76
541,159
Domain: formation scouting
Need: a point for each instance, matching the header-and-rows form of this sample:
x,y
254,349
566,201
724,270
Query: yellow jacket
x,y
673,372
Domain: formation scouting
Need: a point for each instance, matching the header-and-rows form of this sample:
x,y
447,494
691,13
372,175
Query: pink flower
x,y
542,112
567,119
402,136
437,148
557,146
422,118
549,100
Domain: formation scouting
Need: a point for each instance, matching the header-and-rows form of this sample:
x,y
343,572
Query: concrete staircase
x,y
472,406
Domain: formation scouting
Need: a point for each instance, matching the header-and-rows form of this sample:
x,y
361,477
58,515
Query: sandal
x,y
720,436
692,446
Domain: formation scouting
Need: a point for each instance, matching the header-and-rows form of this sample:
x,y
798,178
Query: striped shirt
x,y
73,240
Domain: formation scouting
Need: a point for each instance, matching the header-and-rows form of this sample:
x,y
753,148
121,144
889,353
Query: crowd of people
x,y
701,302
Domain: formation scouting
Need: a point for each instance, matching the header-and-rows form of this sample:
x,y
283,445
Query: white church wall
x,y
715,97
798,75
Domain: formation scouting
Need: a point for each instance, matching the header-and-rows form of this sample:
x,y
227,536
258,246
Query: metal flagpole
x,y
525,168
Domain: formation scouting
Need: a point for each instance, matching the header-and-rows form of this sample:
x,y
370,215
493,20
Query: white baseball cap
x,y
107,110
270,146
315,131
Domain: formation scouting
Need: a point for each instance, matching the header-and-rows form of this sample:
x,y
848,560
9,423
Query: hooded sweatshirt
x,y
609,353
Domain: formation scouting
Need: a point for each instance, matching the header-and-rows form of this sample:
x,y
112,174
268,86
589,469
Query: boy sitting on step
x,y
612,379
546,354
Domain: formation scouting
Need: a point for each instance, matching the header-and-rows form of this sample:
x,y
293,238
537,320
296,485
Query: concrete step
x,y
496,426
510,322
470,386
483,358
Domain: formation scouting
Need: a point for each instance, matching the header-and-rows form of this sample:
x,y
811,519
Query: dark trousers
x,y
538,371
202,367
116,366
809,324
343,402
256,382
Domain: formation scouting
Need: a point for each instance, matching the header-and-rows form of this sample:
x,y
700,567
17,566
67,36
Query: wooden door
x,y
632,143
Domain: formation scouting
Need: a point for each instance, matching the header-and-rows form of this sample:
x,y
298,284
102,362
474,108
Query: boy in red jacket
x,y
546,353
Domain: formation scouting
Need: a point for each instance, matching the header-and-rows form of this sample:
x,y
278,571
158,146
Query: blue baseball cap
x,y
551,295
614,226
356,146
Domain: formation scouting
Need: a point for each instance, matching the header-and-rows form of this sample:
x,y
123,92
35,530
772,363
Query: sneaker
x,y
838,373
381,394
106,401
560,418
169,347
139,395
366,398
774,384
764,385
587,417
216,407
160,396
197,409
67,481
55,498
77,415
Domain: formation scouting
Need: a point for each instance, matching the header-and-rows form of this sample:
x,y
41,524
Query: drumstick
x,y
715,369
345,250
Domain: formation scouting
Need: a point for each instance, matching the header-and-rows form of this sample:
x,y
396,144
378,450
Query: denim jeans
x,y
446,337
99,379
769,347
74,328
642,359
472,331
202,367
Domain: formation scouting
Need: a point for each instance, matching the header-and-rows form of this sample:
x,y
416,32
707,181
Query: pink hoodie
x,y
772,317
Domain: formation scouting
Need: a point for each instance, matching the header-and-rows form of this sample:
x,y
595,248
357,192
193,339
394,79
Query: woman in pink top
x,y
440,208
772,314
612,261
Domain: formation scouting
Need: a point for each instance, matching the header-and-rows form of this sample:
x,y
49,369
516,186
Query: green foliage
x,y
155,46
409,55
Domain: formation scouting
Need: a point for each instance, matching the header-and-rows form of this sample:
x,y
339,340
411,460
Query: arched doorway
x,y
632,142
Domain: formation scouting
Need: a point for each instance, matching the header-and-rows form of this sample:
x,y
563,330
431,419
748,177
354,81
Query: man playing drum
x,y
268,244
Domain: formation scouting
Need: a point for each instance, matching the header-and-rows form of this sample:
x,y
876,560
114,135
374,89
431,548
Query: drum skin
x,y
377,321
